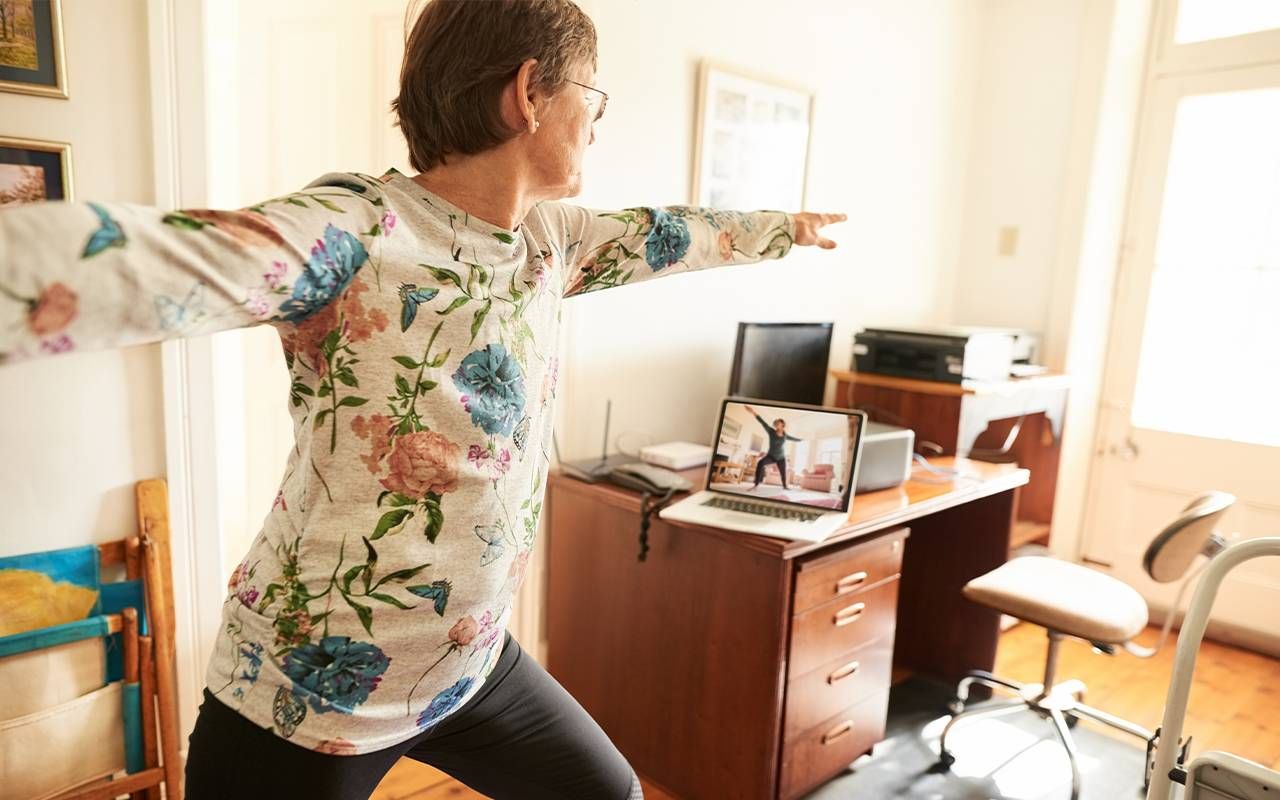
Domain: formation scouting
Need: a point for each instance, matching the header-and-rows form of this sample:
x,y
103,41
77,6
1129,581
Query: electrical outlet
x,y
1007,243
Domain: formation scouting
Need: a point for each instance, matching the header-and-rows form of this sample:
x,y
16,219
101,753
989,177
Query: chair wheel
x,y
954,706
946,759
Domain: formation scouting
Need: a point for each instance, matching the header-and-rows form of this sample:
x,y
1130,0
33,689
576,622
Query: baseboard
x,y
1227,633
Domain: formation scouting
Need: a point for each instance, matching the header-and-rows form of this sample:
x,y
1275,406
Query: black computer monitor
x,y
784,361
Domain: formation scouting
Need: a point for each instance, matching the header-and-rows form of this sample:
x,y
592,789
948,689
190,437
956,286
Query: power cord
x,y
618,443
941,474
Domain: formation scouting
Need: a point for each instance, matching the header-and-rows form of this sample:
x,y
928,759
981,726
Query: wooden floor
x,y
1235,702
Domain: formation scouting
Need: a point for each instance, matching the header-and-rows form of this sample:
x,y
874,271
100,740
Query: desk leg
x,y
940,634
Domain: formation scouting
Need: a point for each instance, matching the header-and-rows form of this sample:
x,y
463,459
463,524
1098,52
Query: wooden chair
x,y
149,673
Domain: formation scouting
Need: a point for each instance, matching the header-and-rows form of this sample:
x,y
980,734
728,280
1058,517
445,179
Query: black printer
x,y
951,354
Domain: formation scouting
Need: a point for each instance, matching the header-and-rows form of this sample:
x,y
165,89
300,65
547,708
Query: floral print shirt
x,y
422,346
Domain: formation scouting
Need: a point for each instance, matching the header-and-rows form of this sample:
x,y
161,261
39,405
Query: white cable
x,y
617,443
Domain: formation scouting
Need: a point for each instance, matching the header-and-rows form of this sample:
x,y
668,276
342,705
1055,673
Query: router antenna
x,y
604,446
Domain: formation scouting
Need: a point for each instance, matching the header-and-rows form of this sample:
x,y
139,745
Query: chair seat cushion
x,y
1064,597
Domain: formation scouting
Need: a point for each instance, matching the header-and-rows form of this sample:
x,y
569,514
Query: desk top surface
x,y
872,512
1050,381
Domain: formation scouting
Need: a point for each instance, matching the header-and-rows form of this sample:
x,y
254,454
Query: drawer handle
x,y
838,731
849,614
844,672
850,581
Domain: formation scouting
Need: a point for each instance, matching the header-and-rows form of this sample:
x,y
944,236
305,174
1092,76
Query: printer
x,y
952,354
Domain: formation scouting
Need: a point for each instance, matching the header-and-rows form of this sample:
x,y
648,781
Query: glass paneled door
x,y
1192,393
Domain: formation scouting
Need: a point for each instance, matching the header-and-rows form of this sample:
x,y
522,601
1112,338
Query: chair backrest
x,y
1171,552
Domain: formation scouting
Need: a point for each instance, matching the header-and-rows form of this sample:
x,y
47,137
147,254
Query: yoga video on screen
x,y
784,454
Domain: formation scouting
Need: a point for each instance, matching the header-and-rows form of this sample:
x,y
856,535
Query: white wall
x,y
1017,164
895,87
79,430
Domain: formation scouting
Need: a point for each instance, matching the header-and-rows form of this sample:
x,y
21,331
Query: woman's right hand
x,y
749,409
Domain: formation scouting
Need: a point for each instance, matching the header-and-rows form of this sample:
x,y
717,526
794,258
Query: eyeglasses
x,y
592,101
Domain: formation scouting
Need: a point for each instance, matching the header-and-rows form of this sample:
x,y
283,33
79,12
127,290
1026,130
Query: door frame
x,y
175,35
1115,44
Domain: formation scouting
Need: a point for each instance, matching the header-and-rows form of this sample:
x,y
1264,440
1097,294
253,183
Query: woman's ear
x,y
525,98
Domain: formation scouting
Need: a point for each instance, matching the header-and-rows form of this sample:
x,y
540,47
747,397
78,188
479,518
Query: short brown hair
x,y
460,56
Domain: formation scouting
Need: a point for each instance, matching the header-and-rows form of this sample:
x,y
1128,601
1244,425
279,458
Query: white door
x,y
298,88
1191,399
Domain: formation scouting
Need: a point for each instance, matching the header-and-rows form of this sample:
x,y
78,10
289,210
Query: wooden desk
x,y
700,662
963,417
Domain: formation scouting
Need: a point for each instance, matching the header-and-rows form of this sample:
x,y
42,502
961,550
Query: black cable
x,y
646,511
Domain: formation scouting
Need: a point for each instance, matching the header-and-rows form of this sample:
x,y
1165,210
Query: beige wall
x,y
1022,126
894,86
79,430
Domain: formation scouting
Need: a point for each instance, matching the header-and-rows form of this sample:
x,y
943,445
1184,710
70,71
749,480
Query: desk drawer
x,y
825,633
821,752
838,684
848,570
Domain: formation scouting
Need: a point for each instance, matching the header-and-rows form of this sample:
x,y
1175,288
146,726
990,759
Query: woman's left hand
x,y
809,224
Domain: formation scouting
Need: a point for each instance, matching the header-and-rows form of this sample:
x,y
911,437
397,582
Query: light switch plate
x,y
1008,241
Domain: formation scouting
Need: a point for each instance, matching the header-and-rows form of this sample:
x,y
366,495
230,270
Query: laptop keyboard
x,y
762,510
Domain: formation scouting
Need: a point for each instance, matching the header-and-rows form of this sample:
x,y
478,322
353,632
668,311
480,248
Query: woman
x,y
776,454
419,318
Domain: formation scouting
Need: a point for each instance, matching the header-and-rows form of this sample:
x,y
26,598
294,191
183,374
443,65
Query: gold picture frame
x,y
32,56
20,159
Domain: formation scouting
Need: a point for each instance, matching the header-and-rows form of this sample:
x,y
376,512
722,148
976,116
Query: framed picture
x,y
753,142
31,171
31,55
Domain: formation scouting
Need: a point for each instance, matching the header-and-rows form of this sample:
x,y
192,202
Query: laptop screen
x,y
789,454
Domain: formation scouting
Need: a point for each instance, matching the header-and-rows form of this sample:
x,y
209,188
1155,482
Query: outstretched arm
x,y
88,276
603,249
767,427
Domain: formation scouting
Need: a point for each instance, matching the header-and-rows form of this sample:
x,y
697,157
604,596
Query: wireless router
x,y
593,469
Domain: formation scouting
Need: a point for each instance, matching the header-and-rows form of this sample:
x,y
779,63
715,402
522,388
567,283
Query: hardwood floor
x,y
1235,697
1235,702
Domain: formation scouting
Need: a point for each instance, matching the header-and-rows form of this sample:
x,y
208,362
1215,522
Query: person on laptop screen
x,y
778,438
811,449
815,451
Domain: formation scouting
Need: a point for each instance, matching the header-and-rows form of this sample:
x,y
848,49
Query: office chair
x,y
1069,599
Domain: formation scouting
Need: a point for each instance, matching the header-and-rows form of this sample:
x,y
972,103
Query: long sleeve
x,y
767,427
89,276
603,249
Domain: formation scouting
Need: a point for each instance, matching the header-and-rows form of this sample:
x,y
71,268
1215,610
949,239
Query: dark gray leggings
x,y
521,736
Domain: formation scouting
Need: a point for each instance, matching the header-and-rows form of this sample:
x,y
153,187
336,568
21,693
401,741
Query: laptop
x,y
778,469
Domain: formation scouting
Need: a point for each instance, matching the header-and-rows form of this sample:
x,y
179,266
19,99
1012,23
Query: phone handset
x,y
652,482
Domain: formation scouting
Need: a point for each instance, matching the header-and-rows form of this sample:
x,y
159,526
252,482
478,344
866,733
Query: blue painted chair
x,y
110,677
